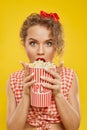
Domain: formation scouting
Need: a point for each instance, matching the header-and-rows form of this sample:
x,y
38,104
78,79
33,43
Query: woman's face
x,y
39,44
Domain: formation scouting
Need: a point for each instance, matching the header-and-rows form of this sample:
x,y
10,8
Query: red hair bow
x,y
50,15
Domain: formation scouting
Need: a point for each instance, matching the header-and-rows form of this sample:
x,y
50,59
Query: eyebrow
x,y
32,39
37,40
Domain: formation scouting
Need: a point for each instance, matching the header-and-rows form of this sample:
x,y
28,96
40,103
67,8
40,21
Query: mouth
x,y
42,59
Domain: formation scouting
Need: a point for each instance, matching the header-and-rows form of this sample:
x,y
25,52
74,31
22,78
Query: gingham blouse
x,y
42,117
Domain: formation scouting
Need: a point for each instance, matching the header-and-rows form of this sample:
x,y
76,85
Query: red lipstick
x,y
40,59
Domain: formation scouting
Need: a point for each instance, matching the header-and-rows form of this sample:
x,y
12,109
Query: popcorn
x,y
41,64
40,96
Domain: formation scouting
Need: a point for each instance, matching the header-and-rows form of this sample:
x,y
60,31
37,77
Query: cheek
x,y
28,51
31,53
51,53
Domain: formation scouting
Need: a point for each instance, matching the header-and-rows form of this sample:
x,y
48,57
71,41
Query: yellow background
x,y
73,15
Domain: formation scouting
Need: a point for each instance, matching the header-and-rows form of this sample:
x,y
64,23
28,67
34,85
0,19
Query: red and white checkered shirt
x,y
42,117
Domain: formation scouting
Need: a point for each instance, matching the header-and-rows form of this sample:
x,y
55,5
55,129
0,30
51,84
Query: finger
x,y
29,84
53,73
25,66
28,78
47,85
55,88
27,87
49,80
59,68
26,70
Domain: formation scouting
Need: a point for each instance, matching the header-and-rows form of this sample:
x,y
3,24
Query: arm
x,y
69,112
17,115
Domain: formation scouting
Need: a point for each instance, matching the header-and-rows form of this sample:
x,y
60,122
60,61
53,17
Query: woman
x,y
42,38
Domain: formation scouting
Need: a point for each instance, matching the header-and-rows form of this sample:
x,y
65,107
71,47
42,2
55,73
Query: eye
x,y
32,43
49,44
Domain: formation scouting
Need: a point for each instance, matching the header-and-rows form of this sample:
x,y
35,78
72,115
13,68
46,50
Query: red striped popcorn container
x,y
40,96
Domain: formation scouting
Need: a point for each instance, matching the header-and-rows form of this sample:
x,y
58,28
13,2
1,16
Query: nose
x,y
40,50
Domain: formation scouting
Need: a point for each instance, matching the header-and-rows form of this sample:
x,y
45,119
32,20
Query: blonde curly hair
x,y
54,26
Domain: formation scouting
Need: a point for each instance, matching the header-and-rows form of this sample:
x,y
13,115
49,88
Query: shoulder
x,y
71,74
68,72
16,78
17,74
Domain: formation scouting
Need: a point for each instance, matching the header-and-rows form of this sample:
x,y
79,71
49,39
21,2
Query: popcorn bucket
x,y
40,96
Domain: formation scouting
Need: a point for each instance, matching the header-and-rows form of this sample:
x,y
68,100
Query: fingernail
x,y
33,73
43,84
42,77
34,81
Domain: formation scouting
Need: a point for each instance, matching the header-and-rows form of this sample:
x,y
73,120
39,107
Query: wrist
x,y
26,96
56,92
58,95
26,99
26,91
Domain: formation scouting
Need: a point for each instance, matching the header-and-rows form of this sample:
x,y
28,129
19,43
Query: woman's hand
x,y
55,82
28,82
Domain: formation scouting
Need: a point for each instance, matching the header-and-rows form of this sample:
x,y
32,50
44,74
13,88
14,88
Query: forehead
x,y
39,31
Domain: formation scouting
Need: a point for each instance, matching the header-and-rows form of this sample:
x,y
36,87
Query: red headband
x,y
50,15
